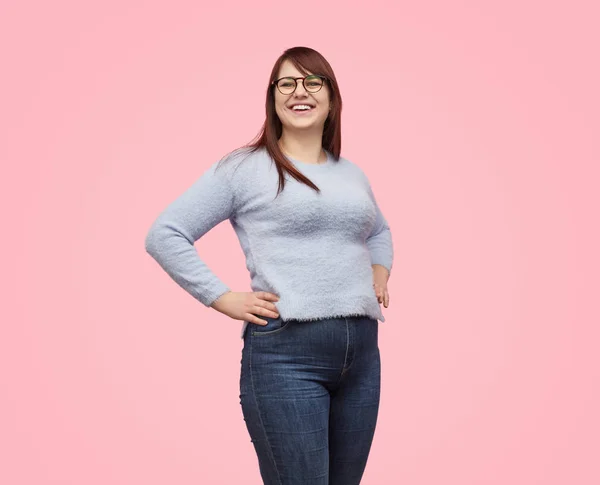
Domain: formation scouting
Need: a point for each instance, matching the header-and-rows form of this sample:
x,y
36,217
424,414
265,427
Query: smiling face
x,y
315,117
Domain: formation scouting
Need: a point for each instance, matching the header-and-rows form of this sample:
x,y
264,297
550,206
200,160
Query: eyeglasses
x,y
312,83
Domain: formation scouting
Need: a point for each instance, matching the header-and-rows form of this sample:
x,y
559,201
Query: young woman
x,y
319,252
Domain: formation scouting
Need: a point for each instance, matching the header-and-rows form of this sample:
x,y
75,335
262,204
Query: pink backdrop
x,y
477,123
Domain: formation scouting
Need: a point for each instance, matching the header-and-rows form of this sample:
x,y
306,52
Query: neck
x,y
304,147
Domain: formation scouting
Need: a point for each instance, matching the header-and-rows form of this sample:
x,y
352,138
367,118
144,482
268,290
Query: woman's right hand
x,y
246,305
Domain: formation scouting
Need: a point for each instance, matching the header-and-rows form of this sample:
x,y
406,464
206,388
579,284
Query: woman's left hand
x,y
380,279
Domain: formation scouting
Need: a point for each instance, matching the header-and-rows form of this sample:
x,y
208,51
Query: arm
x,y
170,239
379,241
381,249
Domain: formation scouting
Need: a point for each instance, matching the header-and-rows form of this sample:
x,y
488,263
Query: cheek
x,y
324,102
280,107
324,96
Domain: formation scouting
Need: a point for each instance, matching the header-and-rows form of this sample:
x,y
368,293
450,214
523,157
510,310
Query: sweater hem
x,y
365,313
331,315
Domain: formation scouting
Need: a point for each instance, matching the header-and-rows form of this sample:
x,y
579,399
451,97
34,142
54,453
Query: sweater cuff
x,y
209,297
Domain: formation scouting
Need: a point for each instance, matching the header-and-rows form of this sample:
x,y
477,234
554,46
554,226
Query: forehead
x,y
288,69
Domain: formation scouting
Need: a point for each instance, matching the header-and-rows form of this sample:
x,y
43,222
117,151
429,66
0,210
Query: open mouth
x,y
302,109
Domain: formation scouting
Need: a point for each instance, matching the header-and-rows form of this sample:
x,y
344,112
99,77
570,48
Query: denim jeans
x,y
309,392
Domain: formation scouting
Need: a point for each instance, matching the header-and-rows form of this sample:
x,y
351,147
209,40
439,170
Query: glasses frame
x,y
276,82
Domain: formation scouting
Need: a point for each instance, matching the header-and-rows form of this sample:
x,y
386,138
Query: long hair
x,y
304,59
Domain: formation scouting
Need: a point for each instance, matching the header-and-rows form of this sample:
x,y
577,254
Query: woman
x,y
319,252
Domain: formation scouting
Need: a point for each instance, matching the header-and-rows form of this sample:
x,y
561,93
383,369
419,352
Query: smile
x,y
300,112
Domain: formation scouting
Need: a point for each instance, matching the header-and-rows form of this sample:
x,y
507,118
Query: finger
x,y
386,299
268,306
265,312
265,295
254,319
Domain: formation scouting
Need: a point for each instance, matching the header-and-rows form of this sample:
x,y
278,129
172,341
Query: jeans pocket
x,y
274,325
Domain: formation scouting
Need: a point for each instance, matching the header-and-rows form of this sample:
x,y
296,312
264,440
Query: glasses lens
x,y
313,83
287,85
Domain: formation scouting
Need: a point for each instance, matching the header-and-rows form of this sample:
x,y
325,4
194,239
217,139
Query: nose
x,y
300,88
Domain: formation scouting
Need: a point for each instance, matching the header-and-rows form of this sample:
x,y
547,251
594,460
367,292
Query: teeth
x,y
301,106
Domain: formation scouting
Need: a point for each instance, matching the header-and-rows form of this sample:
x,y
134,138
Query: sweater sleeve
x,y
170,239
379,241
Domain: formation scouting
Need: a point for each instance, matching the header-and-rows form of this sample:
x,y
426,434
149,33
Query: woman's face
x,y
311,119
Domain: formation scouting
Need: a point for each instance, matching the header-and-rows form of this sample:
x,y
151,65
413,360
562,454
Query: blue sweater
x,y
314,251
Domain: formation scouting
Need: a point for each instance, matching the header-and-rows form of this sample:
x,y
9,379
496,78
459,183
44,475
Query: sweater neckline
x,y
326,163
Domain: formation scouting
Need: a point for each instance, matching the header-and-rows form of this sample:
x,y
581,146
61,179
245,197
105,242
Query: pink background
x,y
477,124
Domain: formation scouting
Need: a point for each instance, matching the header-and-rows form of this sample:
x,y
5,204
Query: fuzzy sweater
x,y
313,250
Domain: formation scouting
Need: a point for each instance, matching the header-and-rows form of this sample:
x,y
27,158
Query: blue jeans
x,y
309,392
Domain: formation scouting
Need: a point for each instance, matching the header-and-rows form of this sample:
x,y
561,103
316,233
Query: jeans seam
x,y
262,425
346,354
